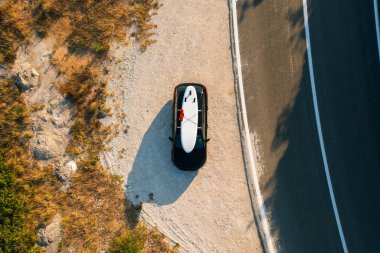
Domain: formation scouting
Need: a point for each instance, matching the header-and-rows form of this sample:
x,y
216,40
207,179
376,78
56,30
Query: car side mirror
x,y
170,138
207,140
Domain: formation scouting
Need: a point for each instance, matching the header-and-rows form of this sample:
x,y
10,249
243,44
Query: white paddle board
x,y
189,124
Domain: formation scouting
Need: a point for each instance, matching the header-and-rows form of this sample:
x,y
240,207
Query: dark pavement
x,y
281,114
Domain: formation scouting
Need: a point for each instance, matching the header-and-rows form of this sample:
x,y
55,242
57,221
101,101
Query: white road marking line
x,y
316,110
375,6
262,210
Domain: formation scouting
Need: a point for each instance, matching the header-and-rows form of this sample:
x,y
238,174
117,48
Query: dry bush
x,y
89,95
14,28
88,25
70,64
95,23
141,239
37,106
45,13
143,15
93,209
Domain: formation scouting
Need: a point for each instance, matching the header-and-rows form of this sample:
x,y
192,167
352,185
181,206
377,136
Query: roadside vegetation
x,y
17,188
140,239
14,30
94,210
97,23
26,189
93,25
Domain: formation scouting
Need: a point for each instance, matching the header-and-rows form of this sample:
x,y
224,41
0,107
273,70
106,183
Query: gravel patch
x,y
204,211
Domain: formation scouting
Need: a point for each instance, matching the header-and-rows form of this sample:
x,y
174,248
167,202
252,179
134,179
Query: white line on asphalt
x,y
316,110
375,6
260,202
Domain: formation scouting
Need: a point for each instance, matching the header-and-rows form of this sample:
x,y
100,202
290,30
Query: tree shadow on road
x,y
154,178
296,194
297,197
300,208
301,211
245,5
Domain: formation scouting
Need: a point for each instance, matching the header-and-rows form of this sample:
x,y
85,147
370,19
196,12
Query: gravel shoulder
x,y
204,211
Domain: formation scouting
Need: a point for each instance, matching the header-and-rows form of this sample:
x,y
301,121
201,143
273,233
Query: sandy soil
x,y
204,211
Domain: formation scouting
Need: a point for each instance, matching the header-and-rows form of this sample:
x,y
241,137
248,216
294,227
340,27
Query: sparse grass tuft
x,y
89,95
37,107
141,239
132,241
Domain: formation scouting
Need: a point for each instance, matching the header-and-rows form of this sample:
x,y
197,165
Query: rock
x,y
66,171
50,236
40,152
101,115
37,127
26,77
48,143
4,73
66,186
34,73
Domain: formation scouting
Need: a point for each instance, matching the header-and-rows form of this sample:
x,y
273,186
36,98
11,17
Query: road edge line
x,y
376,9
246,132
319,128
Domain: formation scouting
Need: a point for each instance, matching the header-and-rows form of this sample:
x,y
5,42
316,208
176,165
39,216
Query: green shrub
x,y
132,241
13,209
18,186
141,239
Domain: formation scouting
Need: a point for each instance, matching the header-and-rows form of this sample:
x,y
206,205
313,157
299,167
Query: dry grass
x,y
37,107
29,188
141,239
71,64
89,95
14,28
94,209
88,25
96,22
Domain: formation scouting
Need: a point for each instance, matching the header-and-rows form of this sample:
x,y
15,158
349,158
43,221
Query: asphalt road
x,y
281,116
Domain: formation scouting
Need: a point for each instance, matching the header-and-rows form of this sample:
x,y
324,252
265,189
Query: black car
x,y
189,126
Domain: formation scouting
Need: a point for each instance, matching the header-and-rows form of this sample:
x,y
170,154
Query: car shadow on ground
x,y
154,178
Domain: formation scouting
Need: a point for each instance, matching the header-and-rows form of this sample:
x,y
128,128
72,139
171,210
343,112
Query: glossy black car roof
x,y
196,158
